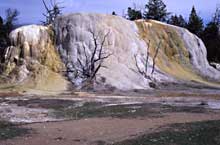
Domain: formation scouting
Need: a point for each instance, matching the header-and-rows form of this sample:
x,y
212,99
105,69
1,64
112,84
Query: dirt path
x,y
89,131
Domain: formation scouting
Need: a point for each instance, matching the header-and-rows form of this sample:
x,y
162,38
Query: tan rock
x,y
33,62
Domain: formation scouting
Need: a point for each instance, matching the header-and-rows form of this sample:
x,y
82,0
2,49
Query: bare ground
x,y
90,131
107,126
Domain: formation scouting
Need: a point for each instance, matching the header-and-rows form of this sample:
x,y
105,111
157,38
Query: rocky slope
x,y
182,55
128,48
32,62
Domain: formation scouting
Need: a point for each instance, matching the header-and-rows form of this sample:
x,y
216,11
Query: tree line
x,y
210,34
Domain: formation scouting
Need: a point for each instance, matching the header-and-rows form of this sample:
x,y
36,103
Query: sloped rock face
x,y
32,61
34,43
124,43
181,55
198,54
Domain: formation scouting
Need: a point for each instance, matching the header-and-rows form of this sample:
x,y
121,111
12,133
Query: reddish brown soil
x,y
89,131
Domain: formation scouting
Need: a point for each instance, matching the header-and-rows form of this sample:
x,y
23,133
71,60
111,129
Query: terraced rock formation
x,y
131,55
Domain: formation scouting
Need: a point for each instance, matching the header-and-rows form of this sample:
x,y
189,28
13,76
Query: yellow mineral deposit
x,y
34,64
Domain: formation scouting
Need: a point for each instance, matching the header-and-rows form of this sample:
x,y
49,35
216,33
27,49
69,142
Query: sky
x,y
31,10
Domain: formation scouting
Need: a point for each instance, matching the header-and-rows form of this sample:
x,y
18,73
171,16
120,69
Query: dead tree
x,y
52,11
148,54
88,66
145,62
154,58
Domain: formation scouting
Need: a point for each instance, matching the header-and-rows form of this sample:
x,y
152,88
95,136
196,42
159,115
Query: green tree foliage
x,y
114,13
216,18
177,21
156,10
1,22
6,26
211,38
134,14
195,24
1,26
10,22
2,35
11,18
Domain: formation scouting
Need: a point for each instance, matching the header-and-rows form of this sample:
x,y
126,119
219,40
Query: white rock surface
x,y
198,54
19,114
32,62
123,42
31,40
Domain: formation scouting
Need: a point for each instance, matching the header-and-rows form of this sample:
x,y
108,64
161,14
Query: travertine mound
x,y
41,57
181,57
32,61
182,54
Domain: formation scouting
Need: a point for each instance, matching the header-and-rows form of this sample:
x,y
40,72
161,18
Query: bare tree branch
x,y
96,70
104,57
155,56
51,13
45,6
148,54
136,63
145,62
92,61
103,42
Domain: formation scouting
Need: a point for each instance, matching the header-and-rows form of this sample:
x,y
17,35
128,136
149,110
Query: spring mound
x,y
129,55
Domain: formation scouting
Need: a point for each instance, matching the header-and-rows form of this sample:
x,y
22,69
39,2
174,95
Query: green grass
x,y
9,130
197,133
97,109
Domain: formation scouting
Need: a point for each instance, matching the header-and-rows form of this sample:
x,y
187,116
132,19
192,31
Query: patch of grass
x,y
43,103
185,109
100,142
197,133
98,109
9,130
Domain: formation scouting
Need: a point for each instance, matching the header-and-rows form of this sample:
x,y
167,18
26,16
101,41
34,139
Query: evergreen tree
x,y
211,39
10,23
2,39
156,10
195,24
7,26
1,31
1,22
134,14
177,21
216,18
11,18
114,13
